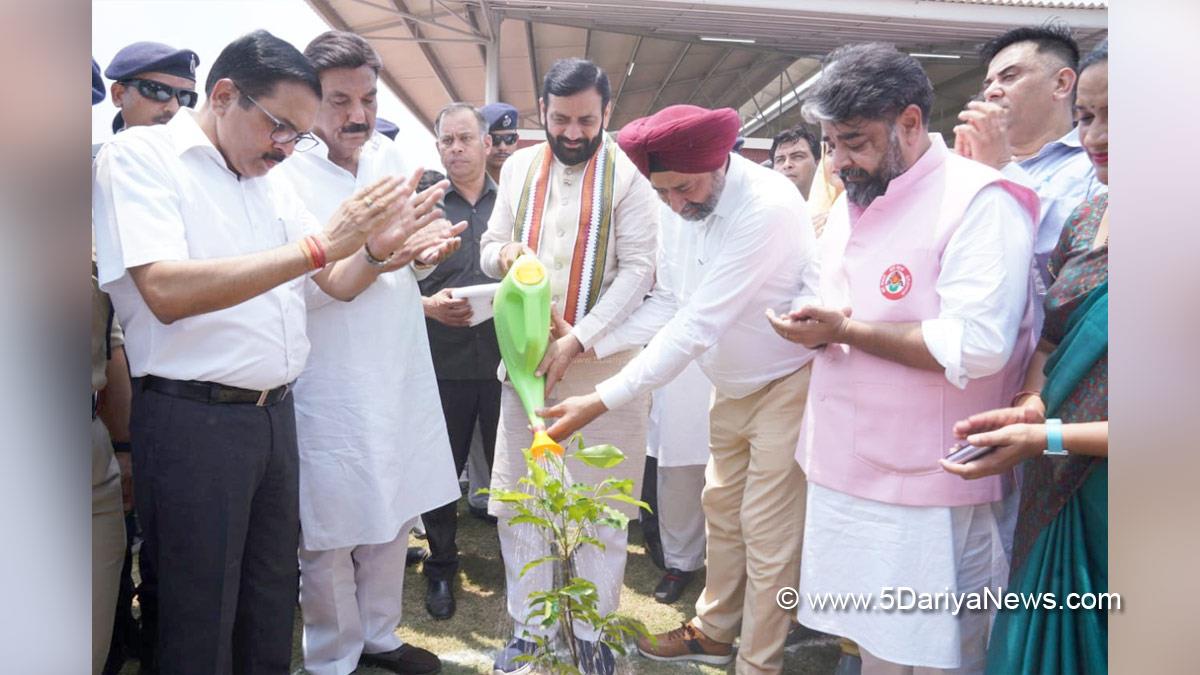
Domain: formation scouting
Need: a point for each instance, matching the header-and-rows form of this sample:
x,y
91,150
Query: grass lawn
x,y
467,642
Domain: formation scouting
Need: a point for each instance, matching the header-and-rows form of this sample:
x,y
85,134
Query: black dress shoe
x,y
415,555
673,583
482,514
439,599
406,659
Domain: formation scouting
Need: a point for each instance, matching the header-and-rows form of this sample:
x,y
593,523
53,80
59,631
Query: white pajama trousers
x,y
351,601
681,516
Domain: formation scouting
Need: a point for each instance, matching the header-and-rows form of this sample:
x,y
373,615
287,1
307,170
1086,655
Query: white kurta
x,y
374,452
678,431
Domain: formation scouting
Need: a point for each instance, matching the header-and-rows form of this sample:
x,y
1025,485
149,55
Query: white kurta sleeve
x,y
983,287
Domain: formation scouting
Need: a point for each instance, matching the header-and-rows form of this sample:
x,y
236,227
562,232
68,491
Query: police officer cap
x,y
386,128
97,84
500,116
152,57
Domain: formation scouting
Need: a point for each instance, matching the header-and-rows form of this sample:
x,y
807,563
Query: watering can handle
x,y
531,325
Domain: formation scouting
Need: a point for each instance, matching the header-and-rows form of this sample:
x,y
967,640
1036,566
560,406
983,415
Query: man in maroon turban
x,y
735,241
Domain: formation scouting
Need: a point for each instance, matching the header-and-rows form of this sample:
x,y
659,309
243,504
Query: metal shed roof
x,y
750,55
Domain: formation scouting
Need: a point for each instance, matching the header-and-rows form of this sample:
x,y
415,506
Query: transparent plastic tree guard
x,y
566,515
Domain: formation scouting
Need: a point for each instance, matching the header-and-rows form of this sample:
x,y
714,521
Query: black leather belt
x,y
212,392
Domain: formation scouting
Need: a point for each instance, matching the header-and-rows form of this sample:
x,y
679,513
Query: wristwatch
x,y
1054,444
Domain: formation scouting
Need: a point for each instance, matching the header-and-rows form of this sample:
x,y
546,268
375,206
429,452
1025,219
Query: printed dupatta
x,y
594,223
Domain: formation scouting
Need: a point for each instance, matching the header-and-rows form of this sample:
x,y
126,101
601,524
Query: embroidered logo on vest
x,y
895,282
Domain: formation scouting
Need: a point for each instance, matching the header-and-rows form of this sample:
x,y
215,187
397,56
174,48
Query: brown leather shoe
x,y
685,643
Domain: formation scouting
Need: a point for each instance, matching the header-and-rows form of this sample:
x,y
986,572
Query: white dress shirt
x,y
629,260
165,193
716,279
374,453
985,271
982,288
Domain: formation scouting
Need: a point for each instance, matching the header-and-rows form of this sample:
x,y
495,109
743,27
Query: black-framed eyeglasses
x,y
284,133
157,91
506,139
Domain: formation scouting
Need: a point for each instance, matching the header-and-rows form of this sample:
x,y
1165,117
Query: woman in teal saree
x,y
1061,541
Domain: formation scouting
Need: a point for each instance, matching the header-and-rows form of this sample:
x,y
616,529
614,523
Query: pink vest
x,y
873,428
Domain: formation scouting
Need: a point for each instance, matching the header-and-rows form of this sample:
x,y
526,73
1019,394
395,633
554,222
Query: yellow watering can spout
x,y
542,442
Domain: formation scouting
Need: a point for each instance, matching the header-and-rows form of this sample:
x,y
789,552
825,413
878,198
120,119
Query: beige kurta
x,y
628,275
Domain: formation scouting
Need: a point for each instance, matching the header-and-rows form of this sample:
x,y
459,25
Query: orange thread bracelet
x,y
318,252
307,252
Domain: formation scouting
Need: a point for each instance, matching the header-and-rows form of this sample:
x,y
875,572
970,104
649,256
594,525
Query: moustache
x,y
276,157
853,173
355,128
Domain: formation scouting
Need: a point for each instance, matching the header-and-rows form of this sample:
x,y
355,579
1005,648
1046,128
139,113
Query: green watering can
x,y
522,320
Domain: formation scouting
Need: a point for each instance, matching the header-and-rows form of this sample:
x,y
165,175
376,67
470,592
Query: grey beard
x,y
700,211
864,192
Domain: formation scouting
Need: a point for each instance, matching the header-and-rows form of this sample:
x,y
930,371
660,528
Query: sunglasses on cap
x,y
157,91
507,139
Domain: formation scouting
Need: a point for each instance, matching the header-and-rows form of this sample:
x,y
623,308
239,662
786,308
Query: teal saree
x,y
1070,555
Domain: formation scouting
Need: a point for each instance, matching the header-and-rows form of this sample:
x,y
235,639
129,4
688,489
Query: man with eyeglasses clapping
x,y
206,258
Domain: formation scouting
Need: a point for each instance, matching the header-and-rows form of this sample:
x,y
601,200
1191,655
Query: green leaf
x,y
591,540
581,591
623,487
537,475
578,512
626,499
534,563
530,519
507,496
603,456
614,523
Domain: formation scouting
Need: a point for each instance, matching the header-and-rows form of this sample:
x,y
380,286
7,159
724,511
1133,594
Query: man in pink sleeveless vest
x,y
926,286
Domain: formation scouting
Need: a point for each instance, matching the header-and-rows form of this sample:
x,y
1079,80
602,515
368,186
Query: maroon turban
x,y
683,138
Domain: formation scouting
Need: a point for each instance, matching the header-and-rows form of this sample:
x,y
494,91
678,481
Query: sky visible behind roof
x,y
205,27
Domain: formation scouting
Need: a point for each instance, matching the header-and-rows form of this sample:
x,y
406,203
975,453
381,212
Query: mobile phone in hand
x,y
968,453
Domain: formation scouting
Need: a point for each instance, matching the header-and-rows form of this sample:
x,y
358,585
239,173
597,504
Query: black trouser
x,y
649,519
464,402
132,638
217,492
125,635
